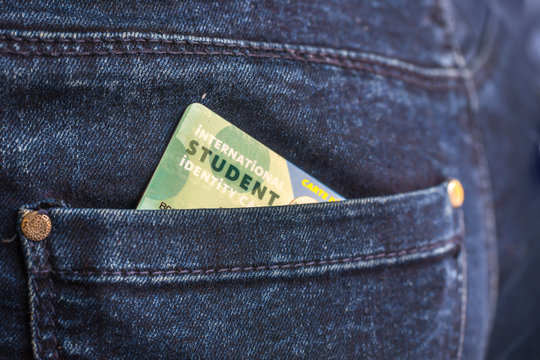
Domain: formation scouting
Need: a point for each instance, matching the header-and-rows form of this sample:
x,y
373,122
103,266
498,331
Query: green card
x,y
210,163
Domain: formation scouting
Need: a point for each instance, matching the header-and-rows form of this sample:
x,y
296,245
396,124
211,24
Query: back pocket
x,y
379,277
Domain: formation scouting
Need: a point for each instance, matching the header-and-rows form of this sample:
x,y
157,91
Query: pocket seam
x,y
41,302
443,247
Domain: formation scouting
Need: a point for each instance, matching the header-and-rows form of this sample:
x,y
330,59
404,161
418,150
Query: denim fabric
x,y
510,108
327,280
377,100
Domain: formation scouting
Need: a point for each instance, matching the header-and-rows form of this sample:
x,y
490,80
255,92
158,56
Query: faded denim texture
x,y
329,280
382,101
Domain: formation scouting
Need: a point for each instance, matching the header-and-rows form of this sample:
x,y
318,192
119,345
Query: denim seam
x,y
297,50
460,62
50,303
442,81
459,223
479,154
45,327
464,295
37,319
485,52
488,200
287,266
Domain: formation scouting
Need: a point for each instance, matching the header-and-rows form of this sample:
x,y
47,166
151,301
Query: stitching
x,y
464,296
37,317
45,327
463,280
483,168
287,266
405,72
489,38
460,61
369,58
491,33
353,66
9,239
50,299
431,85
479,153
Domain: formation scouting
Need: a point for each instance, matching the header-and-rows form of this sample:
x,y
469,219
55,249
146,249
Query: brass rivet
x,y
455,193
36,225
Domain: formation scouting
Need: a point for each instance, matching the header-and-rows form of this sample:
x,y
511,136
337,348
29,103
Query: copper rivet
x,y
455,193
36,225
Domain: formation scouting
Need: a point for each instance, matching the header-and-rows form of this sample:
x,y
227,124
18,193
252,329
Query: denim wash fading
x,y
382,101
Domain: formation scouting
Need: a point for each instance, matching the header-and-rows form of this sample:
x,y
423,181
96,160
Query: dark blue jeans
x,y
382,101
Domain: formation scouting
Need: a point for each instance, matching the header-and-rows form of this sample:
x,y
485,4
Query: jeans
x,y
381,101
